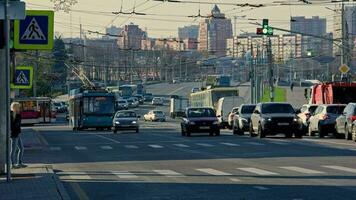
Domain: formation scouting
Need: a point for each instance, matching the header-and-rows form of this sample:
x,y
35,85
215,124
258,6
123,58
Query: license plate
x,y
283,124
125,125
205,127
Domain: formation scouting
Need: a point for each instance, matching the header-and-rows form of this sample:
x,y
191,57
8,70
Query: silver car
x,y
126,120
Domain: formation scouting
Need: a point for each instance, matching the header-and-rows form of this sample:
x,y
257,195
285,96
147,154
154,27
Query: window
x,y
201,112
126,115
319,110
277,108
335,109
98,105
248,109
312,109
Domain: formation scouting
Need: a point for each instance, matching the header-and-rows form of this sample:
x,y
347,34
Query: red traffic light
x,y
259,31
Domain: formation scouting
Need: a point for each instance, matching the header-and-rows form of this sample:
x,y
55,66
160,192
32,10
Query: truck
x,y
333,93
218,81
224,107
178,106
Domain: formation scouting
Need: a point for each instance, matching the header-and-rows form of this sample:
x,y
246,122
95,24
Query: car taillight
x,y
353,118
325,117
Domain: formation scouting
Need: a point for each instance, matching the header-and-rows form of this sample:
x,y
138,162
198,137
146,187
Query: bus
x,y
36,110
218,81
127,91
210,97
91,109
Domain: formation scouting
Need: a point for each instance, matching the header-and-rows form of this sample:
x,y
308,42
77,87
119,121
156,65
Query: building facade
x,y
131,37
188,32
112,32
313,25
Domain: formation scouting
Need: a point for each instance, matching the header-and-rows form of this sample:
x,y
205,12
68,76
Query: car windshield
x,y
57,104
122,102
201,112
158,112
125,115
247,109
335,109
277,108
312,109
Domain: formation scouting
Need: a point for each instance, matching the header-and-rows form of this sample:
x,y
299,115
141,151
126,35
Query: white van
x,y
224,107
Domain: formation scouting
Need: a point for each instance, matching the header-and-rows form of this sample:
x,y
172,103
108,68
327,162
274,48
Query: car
x,y
195,89
140,98
122,104
60,107
230,118
345,121
304,113
241,120
148,97
324,119
176,81
133,102
274,118
155,115
126,120
158,101
200,120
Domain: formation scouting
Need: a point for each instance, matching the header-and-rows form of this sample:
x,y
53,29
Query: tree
x,y
59,72
64,5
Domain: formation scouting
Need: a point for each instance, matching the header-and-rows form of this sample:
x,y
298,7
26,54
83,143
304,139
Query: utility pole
x,y
270,74
37,65
252,75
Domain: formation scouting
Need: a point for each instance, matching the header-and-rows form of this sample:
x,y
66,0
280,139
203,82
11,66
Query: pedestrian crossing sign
x,y
22,78
35,32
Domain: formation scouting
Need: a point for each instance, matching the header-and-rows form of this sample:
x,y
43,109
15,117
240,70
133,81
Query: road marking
x,y
106,147
255,143
175,91
80,148
41,138
278,142
260,187
155,146
204,144
235,180
107,138
257,171
302,170
75,175
131,146
55,148
181,145
230,144
168,173
330,142
79,191
124,174
214,172
341,168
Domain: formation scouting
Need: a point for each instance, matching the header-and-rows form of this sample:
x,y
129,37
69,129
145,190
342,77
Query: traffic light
x,y
266,29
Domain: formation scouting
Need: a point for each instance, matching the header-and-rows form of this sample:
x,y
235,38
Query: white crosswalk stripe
x,y
168,173
181,145
124,174
204,144
257,171
214,172
106,147
230,144
255,143
75,175
260,187
80,148
55,148
302,170
341,168
131,146
155,146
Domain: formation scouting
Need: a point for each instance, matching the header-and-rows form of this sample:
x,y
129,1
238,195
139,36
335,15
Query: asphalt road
x,y
158,163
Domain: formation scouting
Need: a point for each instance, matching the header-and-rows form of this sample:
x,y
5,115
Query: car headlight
x,y
117,122
295,119
215,122
134,122
267,119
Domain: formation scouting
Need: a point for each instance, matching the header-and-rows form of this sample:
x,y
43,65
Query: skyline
x,y
163,19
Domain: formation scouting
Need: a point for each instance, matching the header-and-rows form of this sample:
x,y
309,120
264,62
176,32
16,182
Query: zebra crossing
x,y
234,175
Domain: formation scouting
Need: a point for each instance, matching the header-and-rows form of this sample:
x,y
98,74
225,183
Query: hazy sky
x,y
164,18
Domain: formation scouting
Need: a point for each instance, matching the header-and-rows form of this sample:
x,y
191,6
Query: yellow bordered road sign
x,y
344,69
23,77
35,32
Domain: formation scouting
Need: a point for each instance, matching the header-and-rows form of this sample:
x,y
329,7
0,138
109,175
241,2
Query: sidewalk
x,y
34,182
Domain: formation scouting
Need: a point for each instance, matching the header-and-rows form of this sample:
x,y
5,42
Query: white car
x,y
155,115
122,104
157,101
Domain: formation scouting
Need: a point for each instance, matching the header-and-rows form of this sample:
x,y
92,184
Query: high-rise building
x,y
313,26
112,32
214,32
131,37
188,32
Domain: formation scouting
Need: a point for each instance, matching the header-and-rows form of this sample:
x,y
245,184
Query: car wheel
x,y
115,131
137,130
217,133
183,132
261,133
251,130
298,134
310,131
187,133
288,135
348,135
321,131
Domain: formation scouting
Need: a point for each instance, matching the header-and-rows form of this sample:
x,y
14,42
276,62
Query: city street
x,y
158,163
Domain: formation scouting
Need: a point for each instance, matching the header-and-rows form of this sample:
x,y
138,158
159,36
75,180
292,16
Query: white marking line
x,y
341,168
175,91
257,171
204,144
230,144
75,175
55,148
278,142
181,145
106,138
131,146
124,174
168,173
260,187
214,172
155,146
302,170
330,142
80,148
106,147
235,180
255,143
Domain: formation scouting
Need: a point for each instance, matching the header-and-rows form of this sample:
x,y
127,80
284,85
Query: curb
x,y
62,192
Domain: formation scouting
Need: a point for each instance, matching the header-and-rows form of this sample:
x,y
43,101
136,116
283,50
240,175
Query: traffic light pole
x,y
270,74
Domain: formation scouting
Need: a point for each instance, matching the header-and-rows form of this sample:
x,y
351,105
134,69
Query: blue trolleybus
x,y
91,109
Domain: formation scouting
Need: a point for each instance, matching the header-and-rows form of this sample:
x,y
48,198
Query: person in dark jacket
x,y
16,142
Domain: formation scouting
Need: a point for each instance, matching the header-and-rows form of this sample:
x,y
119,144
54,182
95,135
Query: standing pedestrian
x,y
16,142
291,86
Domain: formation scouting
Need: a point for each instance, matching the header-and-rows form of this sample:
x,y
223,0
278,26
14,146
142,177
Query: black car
x,y
200,120
148,97
274,118
126,120
242,118
140,98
